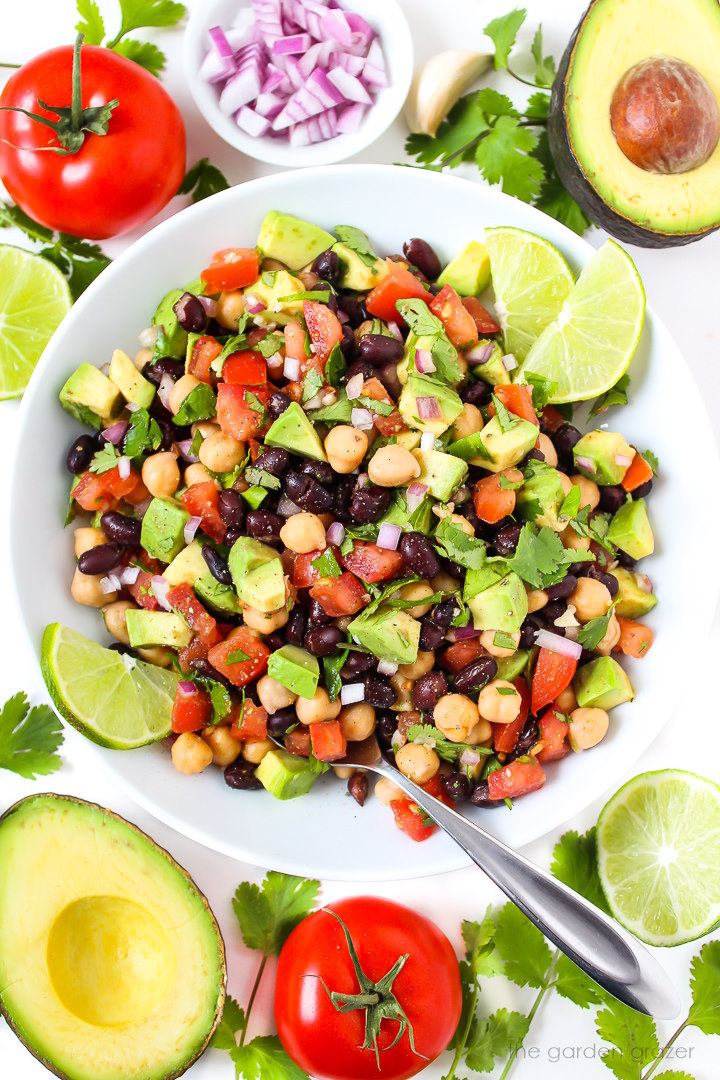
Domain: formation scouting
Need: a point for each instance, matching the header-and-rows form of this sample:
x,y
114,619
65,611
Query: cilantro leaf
x,y
201,180
331,673
143,435
616,395
506,419
91,24
137,14
262,478
455,138
263,1058
571,503
540,558
591,634
267,915
503,31
632,1036
200,404
233,1021
445,749
542,390
256,405
705,985
521,945
538,106
321,295
420,318
219,699
467,551
145,54
504,641
424,324
495,104
104,460
312,383
358,242
503,158
651,460
552,198
493,1037
574,863
269,345
544,65
340,412
326,564
29,738
234,344
575,985
236,656
335,367
480,952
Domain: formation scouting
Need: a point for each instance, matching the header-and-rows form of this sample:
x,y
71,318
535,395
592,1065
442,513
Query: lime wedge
x,y
592,341
531,281
34,298
657,848
114,700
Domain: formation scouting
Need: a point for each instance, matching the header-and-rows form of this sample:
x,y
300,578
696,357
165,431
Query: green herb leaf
x,y
269,345
326,564
574,984
321,295
480,952
236,343
632,1036
420,318
143,435
506,691
493,1037
233,1021
504,641
201,180
553,199
90,24
504,158
575,864
571,503
200,404
236,656
506,419
197,441
503,31
616,395
29,738
544,65
331,673
592,633
104,460
457,546
137,14
263,1058
445,749
145,54
521,945
358,242
340,412
263,478
651,460
540,558
312,383
542,390
705,985
256,405
495,104
219,699
424,324
335,367
267,915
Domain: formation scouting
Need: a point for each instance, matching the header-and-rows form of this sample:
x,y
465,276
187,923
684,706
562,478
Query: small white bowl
x,y
385,16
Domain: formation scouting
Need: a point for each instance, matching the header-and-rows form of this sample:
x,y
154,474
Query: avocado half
x,y
649,209
112,966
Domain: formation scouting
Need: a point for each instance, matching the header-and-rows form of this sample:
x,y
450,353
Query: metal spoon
x,y
604,951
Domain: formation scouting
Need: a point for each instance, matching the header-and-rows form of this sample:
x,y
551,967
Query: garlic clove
x,y
438,84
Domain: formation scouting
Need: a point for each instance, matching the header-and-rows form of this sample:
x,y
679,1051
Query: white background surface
x,y
682,286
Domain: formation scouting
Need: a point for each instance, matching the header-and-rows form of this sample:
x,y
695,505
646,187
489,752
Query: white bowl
x,y
326,833
385,16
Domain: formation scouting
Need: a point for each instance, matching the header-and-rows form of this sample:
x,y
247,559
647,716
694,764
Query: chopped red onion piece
x,y
335,533
187,687
328,124
314,403
509,362
352,64
291,45
148,336
129,575
358,25
394,330
123,467
269,104
362,419
342,317
480,354
644,583
291,369
374,69
557,644
185,453
623,461
301,106
336,25
254,304
350,119
464,633
110,583
389,536
132,406
191,527
586,463
161,588
415,494
275,79
116,432
427,440
221,44
429,408
387,667
349,86
214,69
164,389
355,385
424,361
240,90
286,507
252,122
352,693
470,758
316,56
327,94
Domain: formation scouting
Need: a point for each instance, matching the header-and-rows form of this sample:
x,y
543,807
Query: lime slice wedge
x,y
657,850
592,341
114,700
34,298
531,281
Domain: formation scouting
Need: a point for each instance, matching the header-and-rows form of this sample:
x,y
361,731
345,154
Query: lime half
x,y
592,341
531,281
34,298
114,700
658,850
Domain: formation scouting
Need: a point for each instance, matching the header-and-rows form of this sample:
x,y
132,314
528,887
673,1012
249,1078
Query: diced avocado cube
x,y
602,684
287,776
391,635
492,371
129,381
162,529
277,309
420,386
409,439
509,667
291,240
596,454
502,606
255,496
632,601
441,473
200,404
630,530
356,274
294,432
147,628
220,597
506,448
187,566
257,574
295,669
246,554
469,272
91,397
540,498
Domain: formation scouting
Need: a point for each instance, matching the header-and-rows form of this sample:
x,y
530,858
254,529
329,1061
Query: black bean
x,y
445,612
506,540
553,611
358,787
369,503
331,301
385,727
307,493
124,650
320,471
347,344
642,491
475,674
528,736
431,635
354,309
481,796
190,313
529,629
323,640
625,560
278,722
100,559
428,690
80,454
217,565
420,254
379,693
564,439
278,403
358,663
166,365
295,627
263,525
241,776
360,367
317,614
388,376
380,349
170,432
327,266
207,671
273,460
419,555
232,535
563,589
457,786
342,495
612,497
476,394
275,640
532,455
121,529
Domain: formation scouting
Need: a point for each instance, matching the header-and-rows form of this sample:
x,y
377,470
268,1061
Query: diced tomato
x,y
304,573
635,638
505,736
517,399
553,674
240,672
138,494
552,418
235,413
393,422
245,369
201,500
638,473
249,722
231,268
327,740
408,816
324,327
458,322
517,778
338,596
118,486
185,602
459,654
255,450
481,316
204,351
91,494
398,284
141,592
295,341
191,708
298,742
372,563
492,501
196,650
553,732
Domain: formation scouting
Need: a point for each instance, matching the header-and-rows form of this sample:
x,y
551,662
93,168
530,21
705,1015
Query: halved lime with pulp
x,y
531,281
34,298
114,700
592,341
658,851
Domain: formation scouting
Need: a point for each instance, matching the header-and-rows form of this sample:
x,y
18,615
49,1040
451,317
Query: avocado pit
x,y
664,116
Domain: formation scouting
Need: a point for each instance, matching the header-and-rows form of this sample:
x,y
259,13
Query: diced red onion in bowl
x,y
362,419
389,536
252,123
623,461
291,369
191,527
586,463
557,644
335,533
161,588
123,468
424,361
116,432
387,667
427,440
394,330
429,408
351,693
354,386
415,494
286,507
480,354
187,687
209,304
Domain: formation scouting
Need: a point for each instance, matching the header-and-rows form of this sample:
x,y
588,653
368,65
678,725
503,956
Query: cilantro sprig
x,y
357,241
540,558
29,738
134,15
203,179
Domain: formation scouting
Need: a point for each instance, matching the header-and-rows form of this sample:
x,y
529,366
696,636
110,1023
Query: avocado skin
x,y
573,177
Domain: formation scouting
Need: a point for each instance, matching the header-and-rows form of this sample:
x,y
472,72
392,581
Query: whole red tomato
x,y
113,182
327,1043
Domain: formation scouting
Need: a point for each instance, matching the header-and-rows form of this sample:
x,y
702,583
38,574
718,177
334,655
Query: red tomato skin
x,y
481,316
553,674
399,284
141,592
327,1043
245,368
235,415
191,711
372,563
231,268
253,724
337,596
506,735
304,573
204,351
114,182
185,602
517,778
458,322
243,671
201,500
327,740
553,732
324,327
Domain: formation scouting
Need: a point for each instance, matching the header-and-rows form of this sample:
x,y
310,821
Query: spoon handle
x,y
593,941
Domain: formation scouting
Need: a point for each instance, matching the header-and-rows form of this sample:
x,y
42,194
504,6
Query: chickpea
x,y
272,264
537,599
345,447
456,715
318,708
566,701
86,590
481,733
357,722
417,590
591,599
418,762
180,391
403,689
224,748
343,772
157,655
468,422
565,481
190,755
589,491
444,582
588,727
114,616
221,453
254,750
198,474
205,427
230,306
611,637
160,474
499,702
573,542
392,466
273,695
487,640
87,538
142,357
423,663
265,623
363,329
302,533
548,451
388,792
